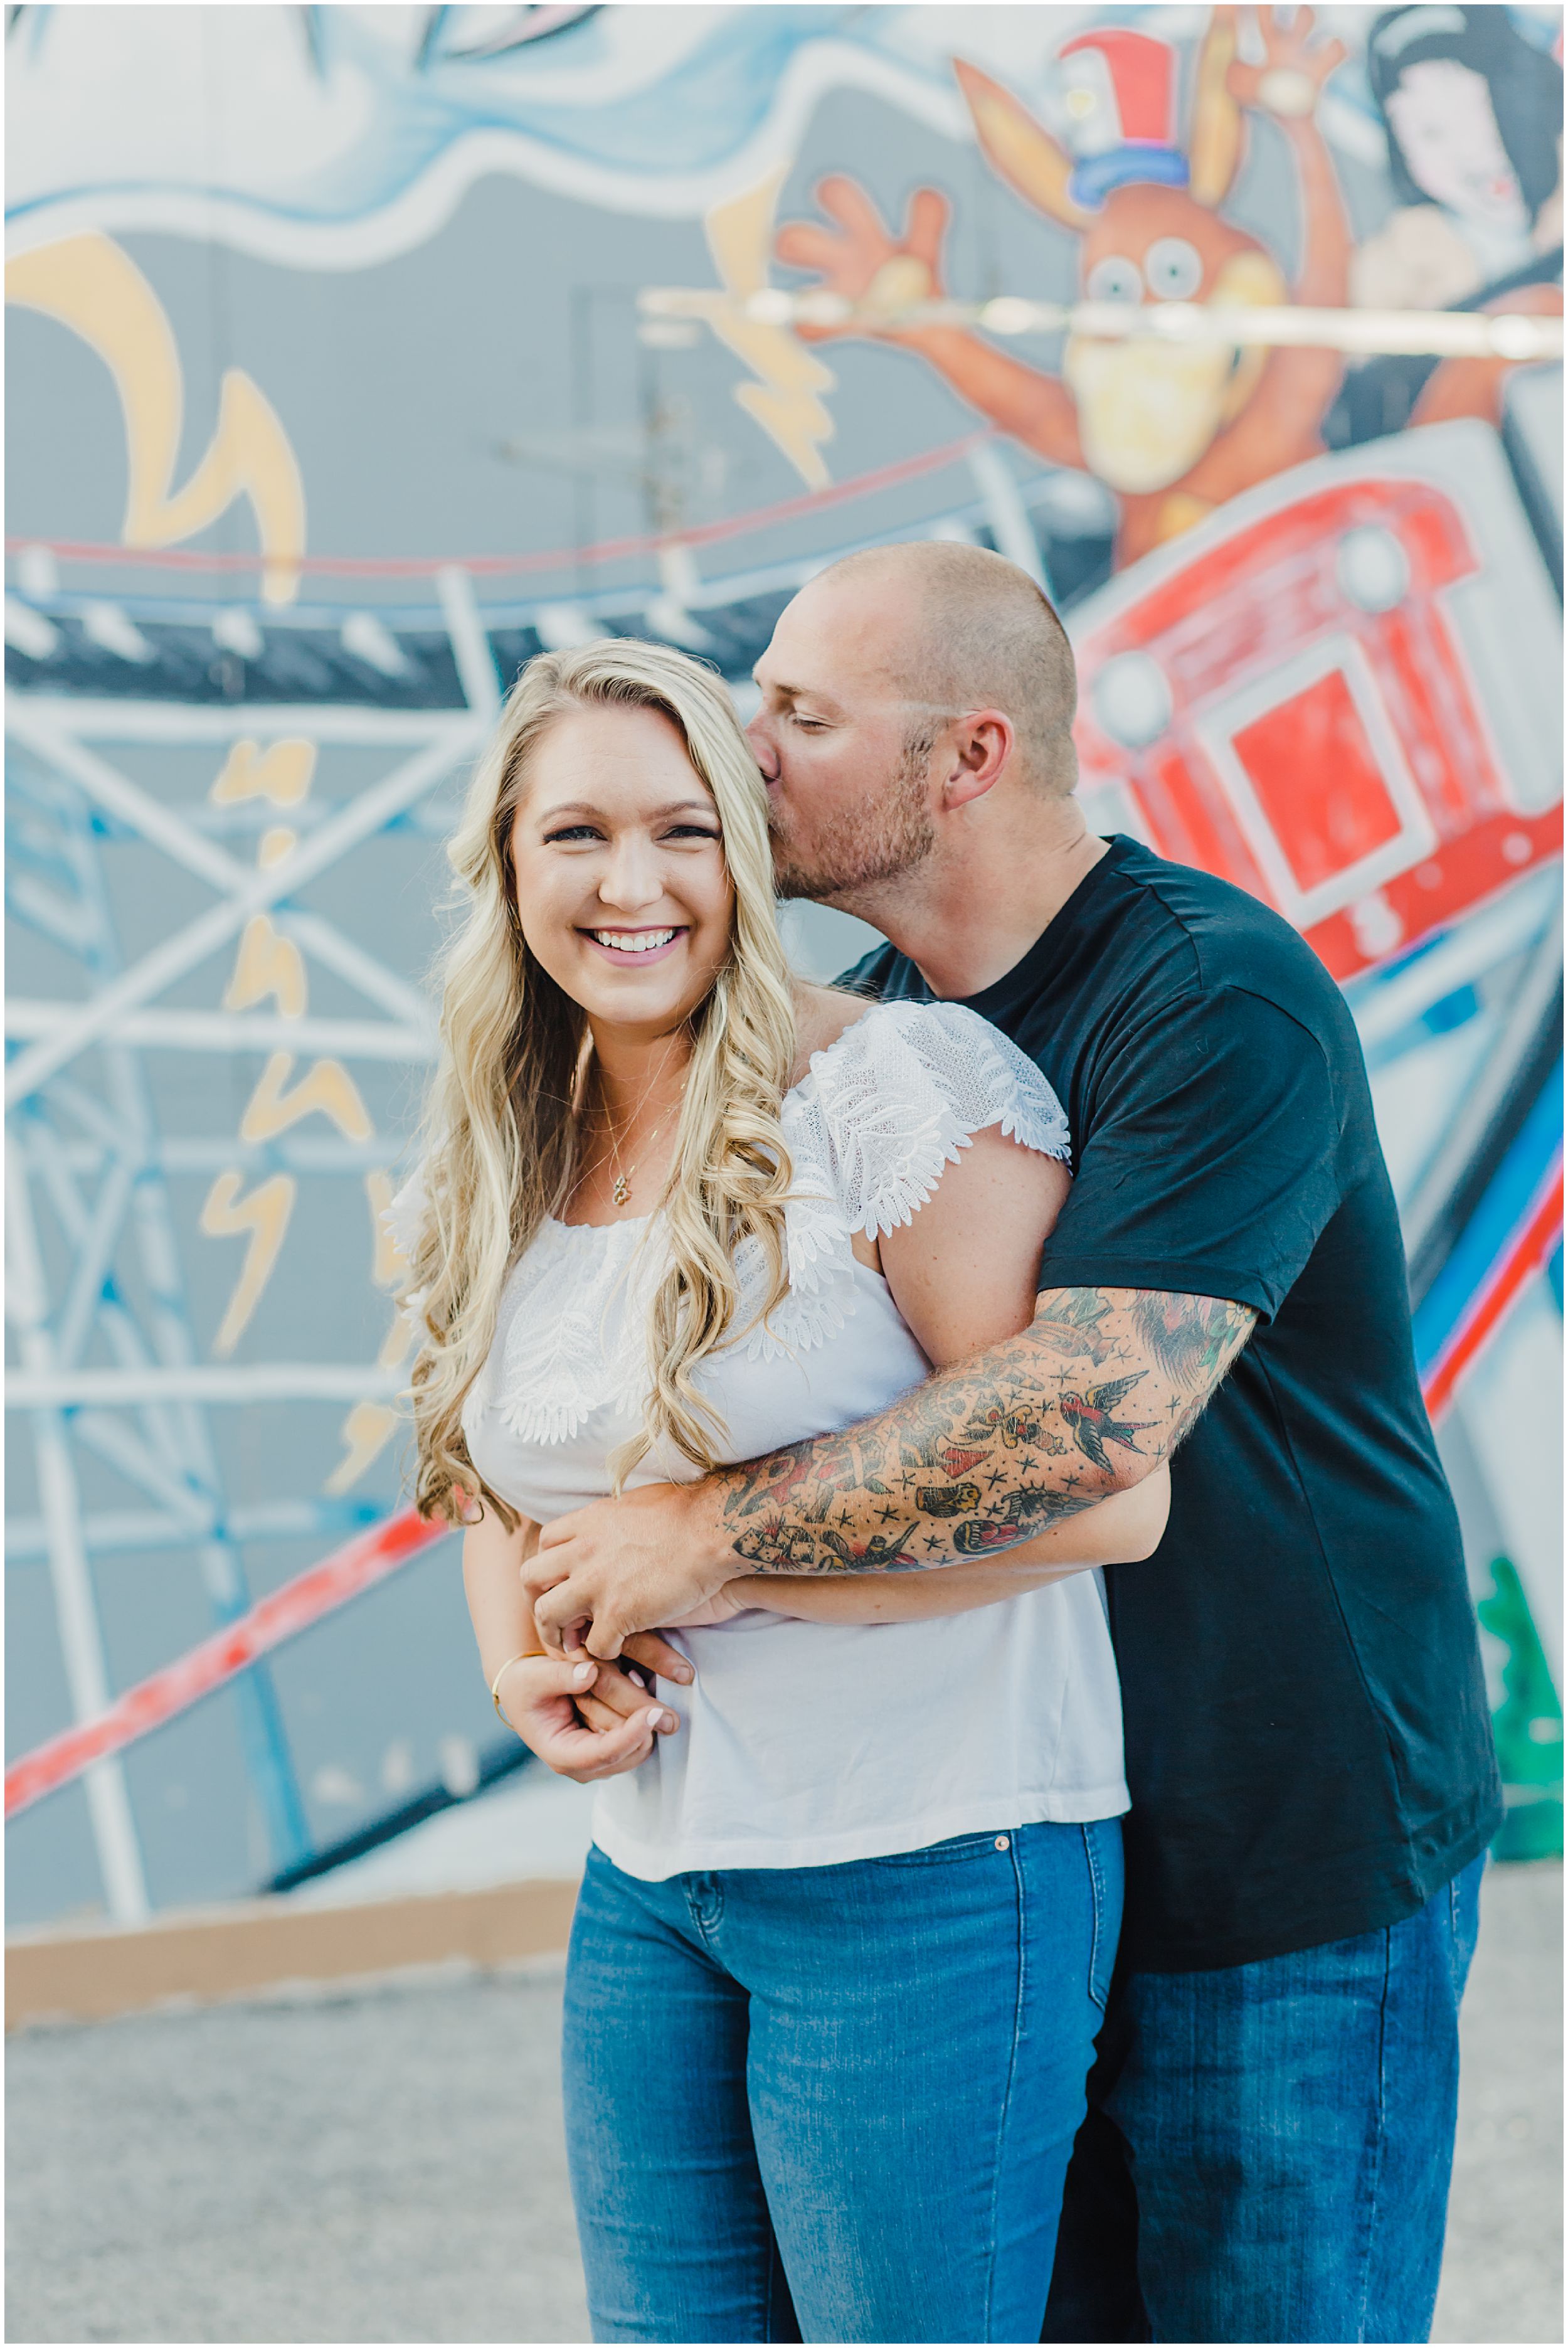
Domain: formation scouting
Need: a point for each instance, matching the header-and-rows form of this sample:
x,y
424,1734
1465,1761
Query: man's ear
x,y
982,744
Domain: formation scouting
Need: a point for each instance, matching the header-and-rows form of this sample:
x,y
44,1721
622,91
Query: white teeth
x,y
634,941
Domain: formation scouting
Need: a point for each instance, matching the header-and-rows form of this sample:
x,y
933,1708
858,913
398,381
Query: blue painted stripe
x,y
1502,1205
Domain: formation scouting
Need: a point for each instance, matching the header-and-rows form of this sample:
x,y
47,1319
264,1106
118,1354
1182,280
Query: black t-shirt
x,y
1307,1742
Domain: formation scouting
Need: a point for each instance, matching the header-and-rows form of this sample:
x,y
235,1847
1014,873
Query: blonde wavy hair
x,y
500,1127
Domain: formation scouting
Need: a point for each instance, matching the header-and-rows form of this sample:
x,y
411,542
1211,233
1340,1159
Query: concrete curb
x,y
219,1952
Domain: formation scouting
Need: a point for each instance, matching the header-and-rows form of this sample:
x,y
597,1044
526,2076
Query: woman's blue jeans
x,y
836,2098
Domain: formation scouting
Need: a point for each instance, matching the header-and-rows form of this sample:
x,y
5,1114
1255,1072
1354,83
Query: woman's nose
x,y
632,879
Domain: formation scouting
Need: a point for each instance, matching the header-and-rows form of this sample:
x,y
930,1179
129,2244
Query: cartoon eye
x,y
1116,279
1173,269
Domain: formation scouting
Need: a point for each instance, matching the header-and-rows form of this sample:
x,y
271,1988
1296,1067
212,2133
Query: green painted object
x,y
1527,1725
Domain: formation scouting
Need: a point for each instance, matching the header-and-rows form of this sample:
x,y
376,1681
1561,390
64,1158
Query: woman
x,y
1473,114
846,1929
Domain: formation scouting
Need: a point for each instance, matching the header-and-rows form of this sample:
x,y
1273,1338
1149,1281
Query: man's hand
x,y
988,1454
621,1566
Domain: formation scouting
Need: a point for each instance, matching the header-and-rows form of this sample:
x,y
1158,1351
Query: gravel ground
x,y
383,2163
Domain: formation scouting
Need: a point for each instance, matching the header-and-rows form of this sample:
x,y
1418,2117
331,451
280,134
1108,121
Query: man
x,y
1266,2152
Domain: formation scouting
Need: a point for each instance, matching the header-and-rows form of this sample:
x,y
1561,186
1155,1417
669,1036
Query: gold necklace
x,y
621,1188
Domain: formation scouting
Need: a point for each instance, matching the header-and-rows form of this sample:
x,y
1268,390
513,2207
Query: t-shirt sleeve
x,y
1208,1164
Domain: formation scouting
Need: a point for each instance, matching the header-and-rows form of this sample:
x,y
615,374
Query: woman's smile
x,y
626,946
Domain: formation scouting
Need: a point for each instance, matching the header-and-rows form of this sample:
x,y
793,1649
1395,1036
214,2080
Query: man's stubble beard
x,y
866,844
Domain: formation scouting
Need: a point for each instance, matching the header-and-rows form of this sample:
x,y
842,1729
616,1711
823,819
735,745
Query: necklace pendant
x,y
620,1191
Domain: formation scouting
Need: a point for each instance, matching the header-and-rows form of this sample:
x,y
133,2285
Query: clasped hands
x,y
598,1583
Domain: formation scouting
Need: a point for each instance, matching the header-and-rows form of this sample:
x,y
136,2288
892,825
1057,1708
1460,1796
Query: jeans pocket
x,y
1103,1851
937,1854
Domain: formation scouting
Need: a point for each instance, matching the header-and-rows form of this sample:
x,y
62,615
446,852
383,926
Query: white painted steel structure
x,y
113,1367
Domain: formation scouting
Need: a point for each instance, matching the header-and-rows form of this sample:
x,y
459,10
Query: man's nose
x,y
764,749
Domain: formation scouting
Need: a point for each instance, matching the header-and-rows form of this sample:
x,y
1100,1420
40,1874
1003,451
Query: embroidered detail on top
x,y
869,1130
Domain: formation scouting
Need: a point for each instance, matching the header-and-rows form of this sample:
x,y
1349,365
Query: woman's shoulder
x,y
822,1016
948,1043
901,1089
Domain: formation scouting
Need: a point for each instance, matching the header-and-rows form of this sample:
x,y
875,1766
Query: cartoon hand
x,y
864,263
1289,82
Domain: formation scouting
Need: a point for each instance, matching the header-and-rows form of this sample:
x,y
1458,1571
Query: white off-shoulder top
x,y
802,1743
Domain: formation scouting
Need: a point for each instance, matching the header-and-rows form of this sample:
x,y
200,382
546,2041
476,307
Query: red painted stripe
x,y
1521,1258
372,1556
347,1573
559,558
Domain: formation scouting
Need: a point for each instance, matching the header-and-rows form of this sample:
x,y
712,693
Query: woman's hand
x,y
579,1728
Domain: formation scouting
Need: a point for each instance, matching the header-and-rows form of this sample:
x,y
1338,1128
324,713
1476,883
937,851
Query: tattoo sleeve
x,y
1102,1386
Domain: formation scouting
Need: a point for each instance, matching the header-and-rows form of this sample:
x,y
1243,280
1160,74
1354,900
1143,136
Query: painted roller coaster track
x,y
557,558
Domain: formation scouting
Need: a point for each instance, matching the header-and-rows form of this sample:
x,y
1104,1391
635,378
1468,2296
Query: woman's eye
x,y
809,725
691,831
572,831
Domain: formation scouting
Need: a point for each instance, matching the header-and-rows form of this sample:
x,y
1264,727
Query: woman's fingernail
x,y
665,1720
637,1680
583,1674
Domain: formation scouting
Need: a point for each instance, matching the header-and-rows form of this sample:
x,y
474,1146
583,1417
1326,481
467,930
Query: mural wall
x,y
335,392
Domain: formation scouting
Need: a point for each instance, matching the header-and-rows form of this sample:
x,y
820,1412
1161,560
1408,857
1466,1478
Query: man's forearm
x,y
1094,1394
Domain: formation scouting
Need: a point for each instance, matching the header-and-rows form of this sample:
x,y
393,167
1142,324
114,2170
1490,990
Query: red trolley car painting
x,y
1340,692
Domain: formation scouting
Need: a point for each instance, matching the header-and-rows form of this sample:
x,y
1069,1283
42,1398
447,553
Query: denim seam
x,y
1097,1914
1380,2139
1004,2117
770,2289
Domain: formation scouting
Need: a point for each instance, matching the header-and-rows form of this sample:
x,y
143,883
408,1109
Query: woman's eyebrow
x,y
586,807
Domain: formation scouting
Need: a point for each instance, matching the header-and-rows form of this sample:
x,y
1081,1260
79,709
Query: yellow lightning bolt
x,y
282,774
267,965
784,402
88,284
369,1425
329,1090
265,1215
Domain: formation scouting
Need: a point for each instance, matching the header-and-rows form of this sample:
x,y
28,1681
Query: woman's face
x,y
1441,114
618,859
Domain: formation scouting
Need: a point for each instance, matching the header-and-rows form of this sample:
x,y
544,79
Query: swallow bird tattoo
x,y
1088,1416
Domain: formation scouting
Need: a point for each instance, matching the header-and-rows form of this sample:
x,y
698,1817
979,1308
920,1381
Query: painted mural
x,y
335,393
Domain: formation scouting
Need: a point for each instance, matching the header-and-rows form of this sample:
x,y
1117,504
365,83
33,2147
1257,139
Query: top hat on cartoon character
x,y
1112,102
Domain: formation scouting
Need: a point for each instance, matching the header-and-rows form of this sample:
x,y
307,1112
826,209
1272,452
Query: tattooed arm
x,y
1098,1389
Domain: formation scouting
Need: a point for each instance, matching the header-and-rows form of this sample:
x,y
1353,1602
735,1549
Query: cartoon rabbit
x,y
1174,429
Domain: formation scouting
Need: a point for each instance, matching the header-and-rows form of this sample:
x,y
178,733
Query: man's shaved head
x,y
968,630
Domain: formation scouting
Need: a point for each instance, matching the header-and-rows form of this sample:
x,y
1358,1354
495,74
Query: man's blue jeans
x,y
837,2098
1268,2148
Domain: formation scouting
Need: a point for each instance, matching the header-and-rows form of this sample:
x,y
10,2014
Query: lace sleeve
x,y
903,1090
402,1217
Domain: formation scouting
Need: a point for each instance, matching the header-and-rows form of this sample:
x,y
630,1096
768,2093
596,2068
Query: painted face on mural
x,y
844,750
622,891
1441,114
1148,411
